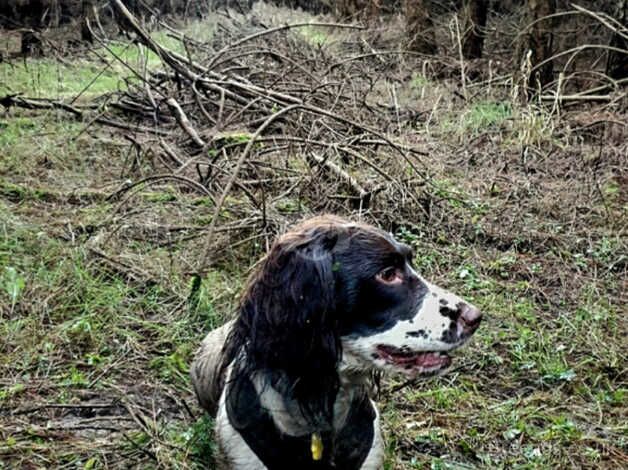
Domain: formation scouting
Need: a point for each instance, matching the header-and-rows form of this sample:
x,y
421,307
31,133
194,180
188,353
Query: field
x,y
524,213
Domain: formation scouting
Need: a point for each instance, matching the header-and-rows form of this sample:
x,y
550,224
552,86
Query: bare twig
x,y
184,122
606,20
340,173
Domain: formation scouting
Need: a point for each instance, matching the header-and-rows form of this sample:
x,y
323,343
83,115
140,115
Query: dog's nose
x,y
469,317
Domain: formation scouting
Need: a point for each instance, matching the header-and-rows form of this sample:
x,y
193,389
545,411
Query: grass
x,y
95,355
486,114
73,326
538,375
532,377
45,140
47,78
97,319
479,117
313,35
93,74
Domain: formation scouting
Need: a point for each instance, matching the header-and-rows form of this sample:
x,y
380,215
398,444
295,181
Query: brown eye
x,y
390,275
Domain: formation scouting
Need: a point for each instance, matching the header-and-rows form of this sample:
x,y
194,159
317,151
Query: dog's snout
x,y
469,317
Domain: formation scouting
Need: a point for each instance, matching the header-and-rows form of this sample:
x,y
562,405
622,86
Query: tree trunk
x,y
617,63
419,27
87,8
540,40
475,13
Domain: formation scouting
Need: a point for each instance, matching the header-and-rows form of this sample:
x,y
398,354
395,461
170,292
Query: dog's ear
x,y
288,322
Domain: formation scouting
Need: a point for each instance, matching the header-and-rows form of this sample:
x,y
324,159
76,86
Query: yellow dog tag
x,y
317,446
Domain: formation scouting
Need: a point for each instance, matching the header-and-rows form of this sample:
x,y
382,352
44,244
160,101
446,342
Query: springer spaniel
x,y
289,379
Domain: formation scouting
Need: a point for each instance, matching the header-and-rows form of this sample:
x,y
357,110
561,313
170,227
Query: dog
x,y
289,379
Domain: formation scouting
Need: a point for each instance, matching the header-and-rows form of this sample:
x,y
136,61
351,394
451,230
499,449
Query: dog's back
x,y
207,372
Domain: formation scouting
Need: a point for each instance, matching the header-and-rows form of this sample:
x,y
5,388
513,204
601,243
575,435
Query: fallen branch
x,y
577,97
184,122
340,173
41,104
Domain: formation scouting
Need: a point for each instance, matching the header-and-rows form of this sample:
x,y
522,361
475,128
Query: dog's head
x,y
333,293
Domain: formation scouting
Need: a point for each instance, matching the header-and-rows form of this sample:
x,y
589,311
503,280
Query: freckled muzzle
x,y
425,352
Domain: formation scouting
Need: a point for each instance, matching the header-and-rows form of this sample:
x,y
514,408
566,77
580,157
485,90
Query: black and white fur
x,y
331,302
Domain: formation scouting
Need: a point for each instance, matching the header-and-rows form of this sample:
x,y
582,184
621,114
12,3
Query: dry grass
x,y
525,214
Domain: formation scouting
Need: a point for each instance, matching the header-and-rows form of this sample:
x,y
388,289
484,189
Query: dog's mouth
x,y
412,362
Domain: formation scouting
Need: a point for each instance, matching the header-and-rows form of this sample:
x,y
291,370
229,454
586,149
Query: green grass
x,y
72,324
13,131
58,148
486,114
538,384
540,372
315,36
93,74
47,78
93,320
519,126
418,81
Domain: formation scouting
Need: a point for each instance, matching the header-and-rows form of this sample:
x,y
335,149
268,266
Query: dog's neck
x,y
287,413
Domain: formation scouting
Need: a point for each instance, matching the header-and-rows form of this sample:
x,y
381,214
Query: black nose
x,y
469,317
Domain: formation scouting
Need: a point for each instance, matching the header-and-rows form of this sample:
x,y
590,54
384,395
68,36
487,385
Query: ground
x,y
98,334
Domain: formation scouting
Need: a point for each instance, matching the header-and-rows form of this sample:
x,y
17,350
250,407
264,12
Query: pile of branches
x,y
268,124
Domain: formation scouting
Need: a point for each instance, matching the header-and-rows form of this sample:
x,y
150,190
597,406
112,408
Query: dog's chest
x,y
346,448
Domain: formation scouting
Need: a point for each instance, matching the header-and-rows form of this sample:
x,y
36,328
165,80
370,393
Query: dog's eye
x,y
389,275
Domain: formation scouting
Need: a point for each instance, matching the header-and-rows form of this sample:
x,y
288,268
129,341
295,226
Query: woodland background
x,y
151,150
